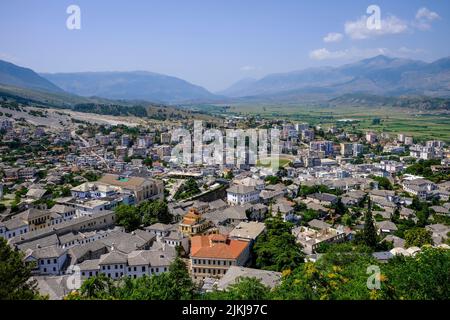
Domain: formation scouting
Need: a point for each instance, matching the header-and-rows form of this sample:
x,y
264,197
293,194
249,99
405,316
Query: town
x,y
101,200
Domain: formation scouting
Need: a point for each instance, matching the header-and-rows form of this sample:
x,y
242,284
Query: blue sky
x,y
214,43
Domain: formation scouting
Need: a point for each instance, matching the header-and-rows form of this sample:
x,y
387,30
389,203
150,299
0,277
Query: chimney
x,y
113,246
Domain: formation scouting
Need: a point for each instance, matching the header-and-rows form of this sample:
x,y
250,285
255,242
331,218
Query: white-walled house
x,y
48,261
117,264
239,195
13,227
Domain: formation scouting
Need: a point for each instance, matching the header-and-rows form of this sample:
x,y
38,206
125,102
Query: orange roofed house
x,y
193,223
212,255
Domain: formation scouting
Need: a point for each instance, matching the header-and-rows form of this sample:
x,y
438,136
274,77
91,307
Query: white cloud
x,y
355,53
333,37
9,58
424,17
425,13
346,54
390,25
249,68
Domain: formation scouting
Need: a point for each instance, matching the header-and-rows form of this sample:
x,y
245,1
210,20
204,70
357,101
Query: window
x,y
54,260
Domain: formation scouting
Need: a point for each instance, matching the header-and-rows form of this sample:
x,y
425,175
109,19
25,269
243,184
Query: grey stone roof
x,y
240,189
13,223
323,197
113,257
383,255
161,227
128,242
248,230
61,209
234,273
48,252
319,224
153,258
89,265
80,250
386,225
43,242
396,241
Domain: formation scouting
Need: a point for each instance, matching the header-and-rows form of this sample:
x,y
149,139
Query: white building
x,y
48,261
239,195
136,264
13,227
419,187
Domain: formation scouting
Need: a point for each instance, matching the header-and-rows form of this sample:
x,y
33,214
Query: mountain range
x,y
136,85
378,76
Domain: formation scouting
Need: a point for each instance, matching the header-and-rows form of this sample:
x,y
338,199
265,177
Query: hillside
x,y
138,85
12,75
32,98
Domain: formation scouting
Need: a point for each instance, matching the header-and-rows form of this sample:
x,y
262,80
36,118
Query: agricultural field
x,y
422,125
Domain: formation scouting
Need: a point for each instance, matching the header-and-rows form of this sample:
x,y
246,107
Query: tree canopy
x,y
277,249
15,276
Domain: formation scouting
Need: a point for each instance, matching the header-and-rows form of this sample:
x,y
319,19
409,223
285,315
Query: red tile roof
x,y
207,247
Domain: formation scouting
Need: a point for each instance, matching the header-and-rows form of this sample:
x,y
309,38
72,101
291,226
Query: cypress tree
x,y
369,234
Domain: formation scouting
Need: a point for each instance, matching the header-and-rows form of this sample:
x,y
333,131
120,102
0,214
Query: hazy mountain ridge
x,y
135,85
380,75
13,75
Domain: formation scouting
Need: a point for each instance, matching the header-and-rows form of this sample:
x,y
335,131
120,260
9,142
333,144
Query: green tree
x,y
154,211
417,237
15,276
423,277
148,162
181,285
272,179
277,249
97,287
339,207
187,190
128,217
369,235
